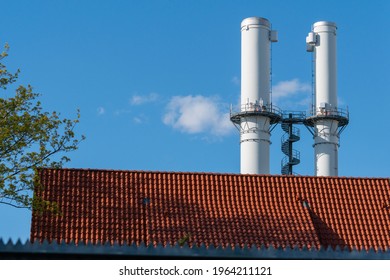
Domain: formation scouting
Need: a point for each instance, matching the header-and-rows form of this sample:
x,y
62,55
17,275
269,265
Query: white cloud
x,y
101,111
142,99
122,112
137,120
198,114
140,119
292,95
236,80
306,102
289,88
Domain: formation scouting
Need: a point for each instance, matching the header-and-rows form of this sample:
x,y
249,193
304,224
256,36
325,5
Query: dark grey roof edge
x,y
177,251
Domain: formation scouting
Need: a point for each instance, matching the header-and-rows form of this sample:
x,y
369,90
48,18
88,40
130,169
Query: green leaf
x,y
30,138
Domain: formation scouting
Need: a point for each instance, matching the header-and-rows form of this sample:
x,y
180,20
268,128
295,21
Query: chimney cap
x,y
325,23
255,21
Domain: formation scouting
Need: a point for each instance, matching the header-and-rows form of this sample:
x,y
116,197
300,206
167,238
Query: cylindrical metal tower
x,y
327,118
256,113
255,60
325,64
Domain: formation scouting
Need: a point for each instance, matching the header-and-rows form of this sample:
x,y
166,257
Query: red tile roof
x,y
214,209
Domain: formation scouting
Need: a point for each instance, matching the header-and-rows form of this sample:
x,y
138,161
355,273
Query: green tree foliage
x,y
30,138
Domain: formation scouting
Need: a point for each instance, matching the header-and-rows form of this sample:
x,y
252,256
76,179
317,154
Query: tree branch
x,y
14,205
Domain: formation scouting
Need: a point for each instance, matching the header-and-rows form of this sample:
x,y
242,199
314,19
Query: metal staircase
x,y
291,135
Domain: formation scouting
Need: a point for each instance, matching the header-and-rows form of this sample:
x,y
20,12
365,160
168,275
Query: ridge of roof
x,y
209,173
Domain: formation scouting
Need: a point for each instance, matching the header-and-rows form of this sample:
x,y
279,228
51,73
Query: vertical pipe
x,y
290,147
255,93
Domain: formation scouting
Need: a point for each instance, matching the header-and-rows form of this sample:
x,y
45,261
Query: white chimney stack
x,y
256,113
327,118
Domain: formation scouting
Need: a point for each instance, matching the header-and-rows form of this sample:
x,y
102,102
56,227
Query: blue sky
x,y
154,80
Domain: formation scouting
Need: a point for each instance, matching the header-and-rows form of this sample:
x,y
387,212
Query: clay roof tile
x,y
228,209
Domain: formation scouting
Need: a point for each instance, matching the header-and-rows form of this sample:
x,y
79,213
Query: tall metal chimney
x,y
256,115
327,120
